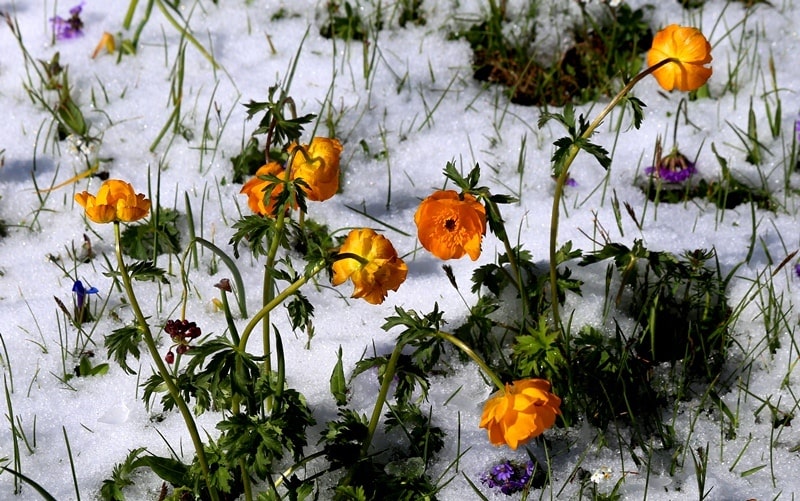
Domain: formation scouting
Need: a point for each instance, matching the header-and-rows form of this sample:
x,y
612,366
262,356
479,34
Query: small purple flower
x,y
80,302
72,27
797,270
674,168
510,477
81,292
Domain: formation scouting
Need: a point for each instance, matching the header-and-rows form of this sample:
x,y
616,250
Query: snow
x,y
418,103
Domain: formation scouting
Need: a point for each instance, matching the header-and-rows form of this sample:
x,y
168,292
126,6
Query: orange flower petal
x,y
378,269
450,225
522,411
115,201
317,164
691,50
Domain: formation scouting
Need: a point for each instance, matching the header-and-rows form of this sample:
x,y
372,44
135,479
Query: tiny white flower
x,y
601,475
614,3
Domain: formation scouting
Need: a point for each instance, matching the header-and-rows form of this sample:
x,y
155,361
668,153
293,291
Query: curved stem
x,y
264,311
461,345
512,261
564,175
160,366
388,376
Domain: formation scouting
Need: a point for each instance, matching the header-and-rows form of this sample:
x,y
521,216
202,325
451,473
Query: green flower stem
x,y
160,366
564,175
126,23
461,345
512,261
264,311
388,376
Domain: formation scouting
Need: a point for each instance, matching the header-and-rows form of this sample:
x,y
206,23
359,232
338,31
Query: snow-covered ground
x,y
414,110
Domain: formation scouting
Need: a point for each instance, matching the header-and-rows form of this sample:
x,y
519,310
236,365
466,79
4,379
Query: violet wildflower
x,y
80,301
674,168
797,270
510,477
72,27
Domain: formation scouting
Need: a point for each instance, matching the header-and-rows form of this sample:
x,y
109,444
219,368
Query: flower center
x,y
450,224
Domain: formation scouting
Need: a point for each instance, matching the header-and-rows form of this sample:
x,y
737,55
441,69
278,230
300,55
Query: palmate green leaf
x,y
123,342
121,477
344,438
146,271
256,231
597,151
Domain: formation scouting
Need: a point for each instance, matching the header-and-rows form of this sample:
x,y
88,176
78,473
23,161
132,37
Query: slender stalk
x,y
126,23
388,376
160,366
512,261
264,311
564,175
461,345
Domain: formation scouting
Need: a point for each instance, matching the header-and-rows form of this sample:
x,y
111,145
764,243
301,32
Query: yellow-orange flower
x,y
256,189
690,49
450,225
106,42
115,201
377,270
318,165
520,412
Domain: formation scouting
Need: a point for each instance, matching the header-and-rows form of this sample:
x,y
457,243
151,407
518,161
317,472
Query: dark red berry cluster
x,y
182,332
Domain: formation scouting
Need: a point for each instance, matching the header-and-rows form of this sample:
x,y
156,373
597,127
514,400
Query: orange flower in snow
x,y
115,201
258,188
375,268
690,51
318,165
450,225
520,412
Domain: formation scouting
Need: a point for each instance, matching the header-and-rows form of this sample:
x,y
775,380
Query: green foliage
x,y
280,128
85,367
246,163
121,477
603,49
424,439
159,235
346,25
123,342
343,439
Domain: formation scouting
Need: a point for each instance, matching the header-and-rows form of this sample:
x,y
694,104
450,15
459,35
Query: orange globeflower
x,y
318,165
256,189
690,49
520,412
450,225
115,201
378,270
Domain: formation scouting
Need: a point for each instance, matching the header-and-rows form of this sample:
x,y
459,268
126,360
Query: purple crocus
x,y
72,27
80,294
510,477
674,168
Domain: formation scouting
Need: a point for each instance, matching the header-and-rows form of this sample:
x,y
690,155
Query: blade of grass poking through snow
x,y
241,297
38,488
71,464
192,235
14,435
